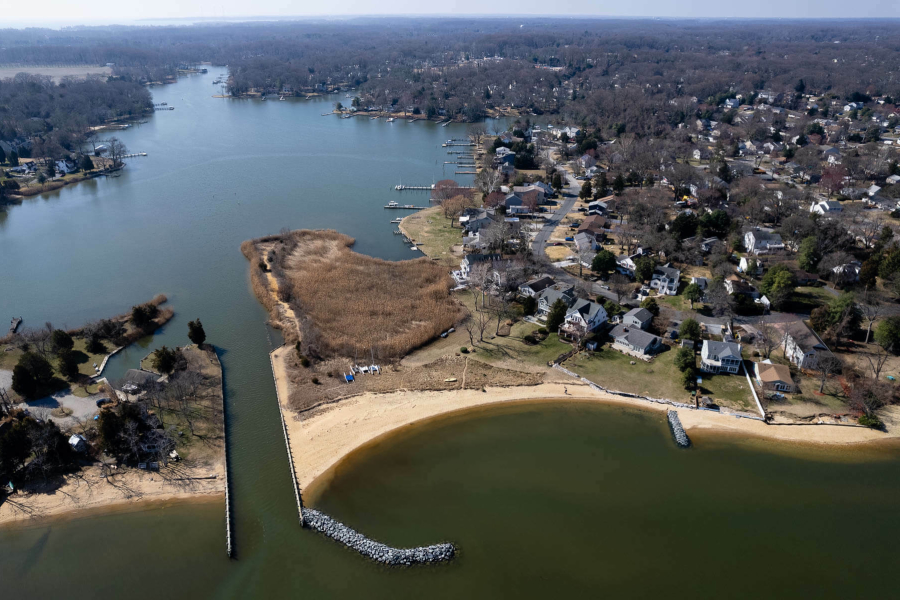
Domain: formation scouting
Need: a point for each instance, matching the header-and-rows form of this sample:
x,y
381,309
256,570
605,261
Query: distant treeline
x,y
54,117
629,74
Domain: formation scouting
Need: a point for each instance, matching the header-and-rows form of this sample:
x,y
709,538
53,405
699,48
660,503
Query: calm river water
x,y
542,499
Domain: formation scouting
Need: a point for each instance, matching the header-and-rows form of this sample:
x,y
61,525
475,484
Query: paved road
x,y
570,197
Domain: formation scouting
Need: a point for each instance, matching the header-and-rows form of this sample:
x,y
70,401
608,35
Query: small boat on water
x,y
394,202
445,124
281,97
396,220
410,120
345,116
375,117
389,120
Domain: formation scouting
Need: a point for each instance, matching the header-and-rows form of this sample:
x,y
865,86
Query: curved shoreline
x,y
321,438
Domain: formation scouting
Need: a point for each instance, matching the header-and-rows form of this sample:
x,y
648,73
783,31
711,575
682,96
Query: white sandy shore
x,y
320,438
131,489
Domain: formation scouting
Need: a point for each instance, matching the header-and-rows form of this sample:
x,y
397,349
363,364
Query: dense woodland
x,y
55,116
609,73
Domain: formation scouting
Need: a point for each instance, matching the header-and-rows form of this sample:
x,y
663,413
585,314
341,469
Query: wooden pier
x,y
414,188
448,144
466,172
406,206
14,324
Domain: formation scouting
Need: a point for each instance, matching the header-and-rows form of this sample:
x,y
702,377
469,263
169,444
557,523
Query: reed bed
x,y
357,306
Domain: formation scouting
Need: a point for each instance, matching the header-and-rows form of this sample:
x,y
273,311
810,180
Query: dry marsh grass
x,y
350,304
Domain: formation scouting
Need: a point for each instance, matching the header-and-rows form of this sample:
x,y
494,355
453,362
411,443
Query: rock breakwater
x,y
681,437
376,551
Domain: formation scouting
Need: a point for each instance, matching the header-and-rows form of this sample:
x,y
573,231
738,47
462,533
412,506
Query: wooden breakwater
x,y
287,441
229,521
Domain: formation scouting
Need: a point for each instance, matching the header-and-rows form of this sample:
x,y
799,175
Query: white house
x,y
893,179
744,266
826,207
666,280
469,262
625,265
762,242
720,357
582,318
801,344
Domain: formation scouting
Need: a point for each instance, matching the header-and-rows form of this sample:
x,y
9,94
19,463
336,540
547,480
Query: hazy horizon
x,y
106,12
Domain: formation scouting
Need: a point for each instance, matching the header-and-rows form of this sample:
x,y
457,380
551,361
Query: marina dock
x,y
406,206
14,324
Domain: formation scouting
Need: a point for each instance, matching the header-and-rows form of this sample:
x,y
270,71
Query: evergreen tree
x,y
689,329
23,382
808,256
164,360
619,184
557,315
196,333
651,305
68,365
604,262
62,341
684,359
693,293
586,190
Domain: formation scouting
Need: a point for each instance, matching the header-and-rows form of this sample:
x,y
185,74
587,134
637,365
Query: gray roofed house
x,y
536,286
550,295
582,318
762,242
720,357
666,280
472,259
584,242
635,340
638,317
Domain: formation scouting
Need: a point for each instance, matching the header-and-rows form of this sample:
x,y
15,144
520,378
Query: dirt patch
x,y
450,372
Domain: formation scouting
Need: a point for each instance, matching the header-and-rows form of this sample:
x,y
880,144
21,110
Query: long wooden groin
x,y
229,535
287,442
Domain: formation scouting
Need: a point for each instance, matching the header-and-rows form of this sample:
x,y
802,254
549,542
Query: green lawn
x,y
658,379
508,351
806,298
432,232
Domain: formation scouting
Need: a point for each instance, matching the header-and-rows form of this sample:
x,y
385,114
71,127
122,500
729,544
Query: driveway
x,y
83,409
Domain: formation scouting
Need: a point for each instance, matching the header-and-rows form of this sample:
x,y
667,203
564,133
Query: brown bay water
x,y
564,499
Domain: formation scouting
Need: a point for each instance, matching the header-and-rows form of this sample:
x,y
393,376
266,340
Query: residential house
x,y
738,287
826,207
732,103
758,242
702,282
594,226
638,317
470,260
583,317
720,357
597,208
744,266
708,244
666,280
873,189
801,344
635,340
587,161
625,264
701,154
893,179
534,287
804,278
78,442
585,242
847,273
772,377
548,297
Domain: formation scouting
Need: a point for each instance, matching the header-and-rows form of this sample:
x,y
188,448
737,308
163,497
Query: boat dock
x,y
406,206
448,144
135,155
466,172
14,324
163,108
414,188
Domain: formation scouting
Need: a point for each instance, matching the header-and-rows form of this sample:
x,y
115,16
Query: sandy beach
x,y
131,489
321,437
